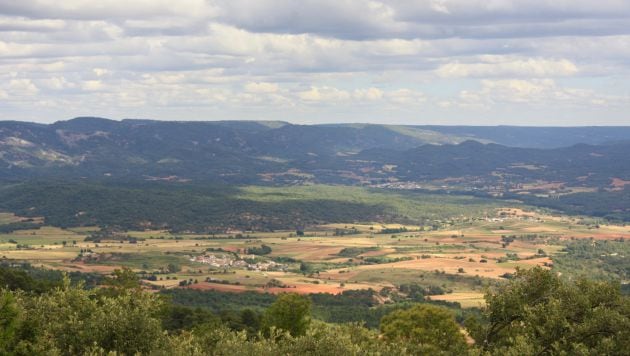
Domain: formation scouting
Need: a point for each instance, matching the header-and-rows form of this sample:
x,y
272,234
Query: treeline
x,y
535,313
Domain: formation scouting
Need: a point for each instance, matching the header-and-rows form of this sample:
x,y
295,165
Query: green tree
x,y
304,267
73,321
17,279
538,313
427,329
121,280
124,278
250,320
9,320
173,268
290,312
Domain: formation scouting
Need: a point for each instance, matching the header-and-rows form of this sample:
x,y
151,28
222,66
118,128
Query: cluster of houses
x,y
267,266
219,261
471,185
227,261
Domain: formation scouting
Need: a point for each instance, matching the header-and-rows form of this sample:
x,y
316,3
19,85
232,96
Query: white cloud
x,y
545,92
55,83
368,94
261,87
92,85
22,87
501,66
346,59
323,94
406,96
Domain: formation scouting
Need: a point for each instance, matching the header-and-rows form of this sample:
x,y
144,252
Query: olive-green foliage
x,y
9,320
538,313
291,312
176,317
319,340
14,279
428,329
120,280
71,320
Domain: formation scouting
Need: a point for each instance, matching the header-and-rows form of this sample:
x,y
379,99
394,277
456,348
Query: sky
x,y
443,62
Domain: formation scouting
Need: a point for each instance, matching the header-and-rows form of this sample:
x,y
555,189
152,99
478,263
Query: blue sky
x,y
474,62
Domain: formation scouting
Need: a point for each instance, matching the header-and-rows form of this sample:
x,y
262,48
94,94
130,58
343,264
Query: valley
x,y
314,178
454,261
220,222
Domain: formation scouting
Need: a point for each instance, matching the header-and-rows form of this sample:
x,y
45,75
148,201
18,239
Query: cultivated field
x,y
457,260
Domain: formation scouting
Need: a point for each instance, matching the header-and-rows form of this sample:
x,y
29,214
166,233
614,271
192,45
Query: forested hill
x,y
281,153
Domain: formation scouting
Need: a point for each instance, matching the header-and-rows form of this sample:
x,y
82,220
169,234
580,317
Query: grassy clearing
x,y
410,204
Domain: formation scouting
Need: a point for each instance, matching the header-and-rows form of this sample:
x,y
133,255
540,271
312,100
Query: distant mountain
x,y
220,150
578,165
244,152
536,137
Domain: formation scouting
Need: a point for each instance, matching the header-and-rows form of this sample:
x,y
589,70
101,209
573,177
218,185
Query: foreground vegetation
x,y
535,313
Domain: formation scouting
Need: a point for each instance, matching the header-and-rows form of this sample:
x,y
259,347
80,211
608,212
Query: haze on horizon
x,y
441,62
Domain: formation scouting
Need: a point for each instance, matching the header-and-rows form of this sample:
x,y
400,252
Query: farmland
x,y
453,261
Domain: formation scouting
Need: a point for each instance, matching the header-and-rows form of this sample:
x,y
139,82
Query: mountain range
x,y
274,152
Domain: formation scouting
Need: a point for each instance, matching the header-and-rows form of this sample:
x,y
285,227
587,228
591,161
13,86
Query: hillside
x,y
282,153
537,137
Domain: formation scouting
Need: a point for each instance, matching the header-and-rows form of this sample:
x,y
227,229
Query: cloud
x,y
427,19
111,9
533,92
22,87
406,96
328,18
323,94
284,59
261,87
368,94
500,66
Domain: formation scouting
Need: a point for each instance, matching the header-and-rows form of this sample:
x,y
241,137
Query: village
x,y
248,262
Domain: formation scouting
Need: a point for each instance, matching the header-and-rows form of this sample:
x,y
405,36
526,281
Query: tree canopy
x,y
428,329
539,313
290,312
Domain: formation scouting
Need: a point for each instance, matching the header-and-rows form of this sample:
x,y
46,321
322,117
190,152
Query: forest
x,y
211,208
535,313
